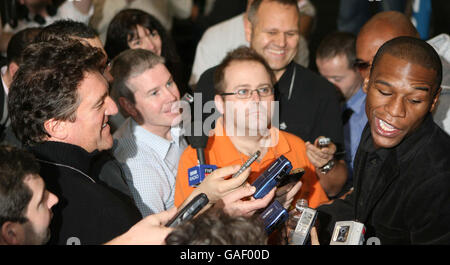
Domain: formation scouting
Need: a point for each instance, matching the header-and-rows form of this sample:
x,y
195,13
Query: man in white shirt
x,y
41,13
227,36
149,143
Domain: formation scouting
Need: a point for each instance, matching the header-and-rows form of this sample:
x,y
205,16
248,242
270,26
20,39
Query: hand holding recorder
x,y
241,203
215,186
321,152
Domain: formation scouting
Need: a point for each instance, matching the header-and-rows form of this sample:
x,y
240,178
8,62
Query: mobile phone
x,y
247,163
294,176
189,211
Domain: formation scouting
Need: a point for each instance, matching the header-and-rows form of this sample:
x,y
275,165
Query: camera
x,y
271,177
348,233
274,216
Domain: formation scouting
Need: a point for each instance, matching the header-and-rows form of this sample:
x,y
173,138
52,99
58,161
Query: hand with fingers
x,y
285,195
240,203
218,184
148,231
320,156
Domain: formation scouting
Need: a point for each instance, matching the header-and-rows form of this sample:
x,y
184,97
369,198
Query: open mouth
x,y
277,52
386,129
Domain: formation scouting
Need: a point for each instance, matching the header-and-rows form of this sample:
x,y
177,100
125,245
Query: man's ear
x,y
248,29
129,107
366,85
435,99
56,128
12,233
220,104
12,68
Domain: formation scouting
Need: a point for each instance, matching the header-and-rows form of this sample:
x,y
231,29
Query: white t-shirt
x,y
66,11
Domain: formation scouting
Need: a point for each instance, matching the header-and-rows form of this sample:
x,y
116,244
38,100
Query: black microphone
x,y
199,143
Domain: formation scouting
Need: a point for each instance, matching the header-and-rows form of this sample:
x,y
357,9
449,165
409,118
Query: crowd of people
x,y
99,126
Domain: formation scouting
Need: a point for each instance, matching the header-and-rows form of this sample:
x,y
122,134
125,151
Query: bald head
x,y
381,28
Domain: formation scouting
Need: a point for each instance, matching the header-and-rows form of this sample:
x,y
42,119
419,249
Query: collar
x,y
5,87
357,101
283,85
156,142
229,155
416,140
63,153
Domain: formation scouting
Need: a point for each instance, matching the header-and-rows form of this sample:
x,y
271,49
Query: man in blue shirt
x,y
335,59
150,142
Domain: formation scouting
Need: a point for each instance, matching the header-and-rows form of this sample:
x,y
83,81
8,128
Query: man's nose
x,y
396,107
111,107
280,40
254,95
52,200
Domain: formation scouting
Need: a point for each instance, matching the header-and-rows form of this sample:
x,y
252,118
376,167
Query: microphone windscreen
x,y
198,141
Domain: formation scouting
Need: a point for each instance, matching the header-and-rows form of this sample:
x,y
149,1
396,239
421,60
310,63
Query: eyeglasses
x,y
245,93
361,64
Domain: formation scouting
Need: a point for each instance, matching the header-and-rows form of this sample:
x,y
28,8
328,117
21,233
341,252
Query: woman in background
x,y
133,29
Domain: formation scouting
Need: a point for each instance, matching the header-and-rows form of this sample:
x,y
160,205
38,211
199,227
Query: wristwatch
x,y
327,167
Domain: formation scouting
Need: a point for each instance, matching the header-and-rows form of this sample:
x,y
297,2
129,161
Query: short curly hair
x,y
45,86
16,166
216,227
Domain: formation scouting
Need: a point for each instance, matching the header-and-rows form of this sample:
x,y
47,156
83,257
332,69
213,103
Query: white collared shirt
x,y
150,163
3,71
4,118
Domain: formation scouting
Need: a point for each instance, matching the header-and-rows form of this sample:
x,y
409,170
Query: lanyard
x,y
292,83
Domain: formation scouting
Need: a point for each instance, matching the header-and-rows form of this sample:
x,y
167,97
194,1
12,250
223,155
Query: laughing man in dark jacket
x,y
402,166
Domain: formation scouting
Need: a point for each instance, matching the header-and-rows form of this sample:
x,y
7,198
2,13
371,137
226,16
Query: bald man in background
x,y
379,29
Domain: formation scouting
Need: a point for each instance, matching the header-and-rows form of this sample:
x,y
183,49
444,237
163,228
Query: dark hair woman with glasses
x,y
132,29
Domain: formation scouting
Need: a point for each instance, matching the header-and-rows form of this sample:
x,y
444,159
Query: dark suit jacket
x,y
408,201
87,210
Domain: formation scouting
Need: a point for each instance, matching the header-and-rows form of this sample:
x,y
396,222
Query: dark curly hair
x,y
45,86
15,166
64,29
216,227
123,27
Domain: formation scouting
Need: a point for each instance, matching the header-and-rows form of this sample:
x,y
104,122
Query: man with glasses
x,y
309,106
245,99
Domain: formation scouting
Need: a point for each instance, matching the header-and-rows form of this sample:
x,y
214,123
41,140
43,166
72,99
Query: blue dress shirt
x,y
150,163
354,127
